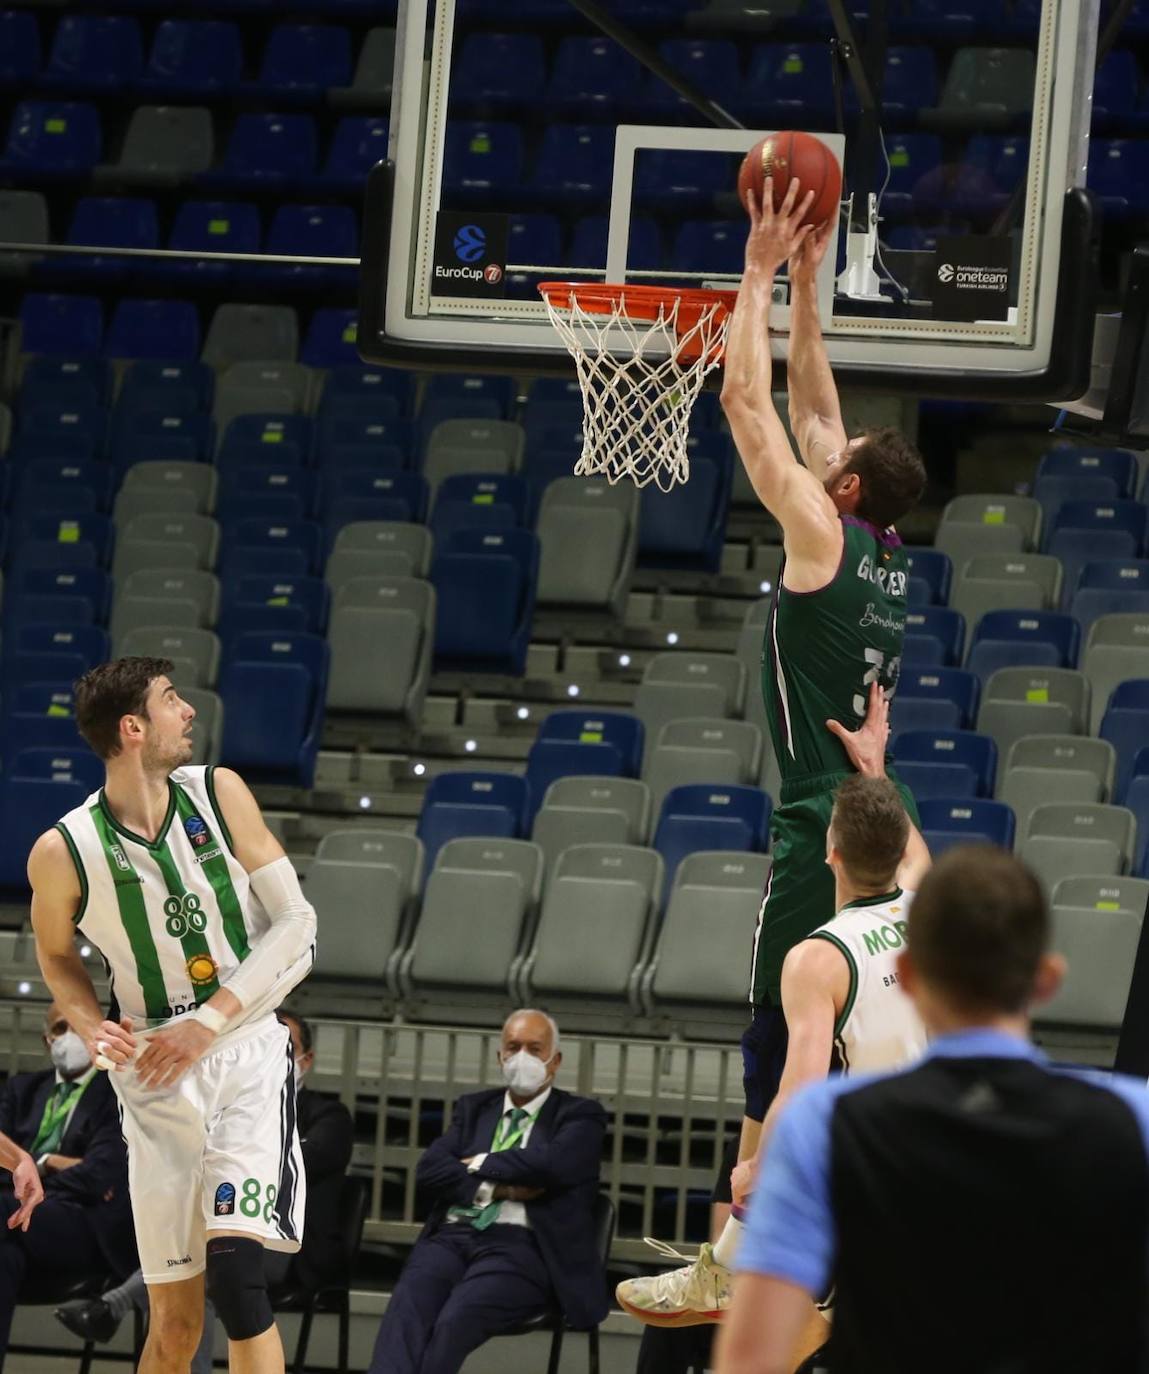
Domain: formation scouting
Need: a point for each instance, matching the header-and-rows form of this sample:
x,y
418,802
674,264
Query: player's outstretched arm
x,y
815,410
56,898
795,498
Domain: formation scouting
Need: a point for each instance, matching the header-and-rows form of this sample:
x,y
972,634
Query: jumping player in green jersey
x,y
838,618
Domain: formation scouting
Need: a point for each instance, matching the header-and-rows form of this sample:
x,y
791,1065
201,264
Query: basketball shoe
x,y
698,1292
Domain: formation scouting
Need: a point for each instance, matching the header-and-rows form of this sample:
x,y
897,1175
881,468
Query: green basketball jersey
x,y
823,649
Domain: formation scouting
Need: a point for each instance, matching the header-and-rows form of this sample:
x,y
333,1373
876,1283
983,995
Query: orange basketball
x,y
787,155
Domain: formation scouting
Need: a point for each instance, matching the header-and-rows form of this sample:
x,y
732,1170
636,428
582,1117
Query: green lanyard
x,y
508,1133
55,1118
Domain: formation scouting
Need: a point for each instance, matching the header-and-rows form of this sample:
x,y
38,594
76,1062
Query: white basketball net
x,y
639,379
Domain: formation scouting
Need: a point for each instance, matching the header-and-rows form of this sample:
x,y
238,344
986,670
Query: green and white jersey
x,y
878,1029
172,917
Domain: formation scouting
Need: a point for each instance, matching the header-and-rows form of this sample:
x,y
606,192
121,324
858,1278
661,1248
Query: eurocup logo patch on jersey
x,y
225,1200
199,836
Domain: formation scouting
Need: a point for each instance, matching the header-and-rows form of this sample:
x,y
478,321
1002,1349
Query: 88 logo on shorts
x,y
184,914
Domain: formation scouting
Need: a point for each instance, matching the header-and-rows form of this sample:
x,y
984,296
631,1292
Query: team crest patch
x,y
202,969
225,1200
197,832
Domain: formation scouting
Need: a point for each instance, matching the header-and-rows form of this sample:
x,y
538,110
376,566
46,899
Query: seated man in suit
x,y
512,1232
66,1118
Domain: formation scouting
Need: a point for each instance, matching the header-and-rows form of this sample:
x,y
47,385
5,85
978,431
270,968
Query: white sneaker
x,y
699,1292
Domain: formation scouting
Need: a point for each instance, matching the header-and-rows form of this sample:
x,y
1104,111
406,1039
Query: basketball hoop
x,y
642,354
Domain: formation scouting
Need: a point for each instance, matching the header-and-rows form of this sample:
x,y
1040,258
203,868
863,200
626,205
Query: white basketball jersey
x,y
172,917
878,1028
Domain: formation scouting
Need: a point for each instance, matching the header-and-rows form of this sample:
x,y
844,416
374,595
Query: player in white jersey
x,y
841,997
170,871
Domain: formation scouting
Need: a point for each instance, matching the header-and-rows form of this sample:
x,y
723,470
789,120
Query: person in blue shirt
x,y
981,1211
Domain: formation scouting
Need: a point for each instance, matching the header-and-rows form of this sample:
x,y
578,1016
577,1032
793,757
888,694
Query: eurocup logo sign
x,y
470,255
470,243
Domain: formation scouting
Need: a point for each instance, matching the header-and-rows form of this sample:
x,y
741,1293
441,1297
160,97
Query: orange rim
x,y
647,303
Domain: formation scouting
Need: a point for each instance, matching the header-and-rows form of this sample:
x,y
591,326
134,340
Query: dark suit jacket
x,y
562,1156
325,1134
92,1135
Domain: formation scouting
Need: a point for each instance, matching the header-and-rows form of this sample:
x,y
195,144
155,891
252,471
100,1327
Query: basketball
x,y
787,155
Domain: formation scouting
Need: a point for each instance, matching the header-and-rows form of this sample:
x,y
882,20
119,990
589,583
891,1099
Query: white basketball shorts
x,y
217,1151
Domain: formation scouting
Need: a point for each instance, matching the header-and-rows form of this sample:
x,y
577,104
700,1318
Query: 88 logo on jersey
x,y
183,914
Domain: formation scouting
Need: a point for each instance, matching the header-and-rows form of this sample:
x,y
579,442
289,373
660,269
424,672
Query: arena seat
x,y
21,52
1118,465
498,72
698,750
685,528
28,807
1015,639
195,652
82,381
943,626
358,143
945,763
305,59
194,57
970,820
379,547
52,138
60,765
1127,729
39,715
273,688
210,226
87,592
790,85
572,169
478,500
486,588
482,161
711,65
382,635
330,344
160,331
582,810
951,688
238,333
1067,839
269,149
591,77
702,817
934,568
461,804
149,384
1107,665
165,145
197,586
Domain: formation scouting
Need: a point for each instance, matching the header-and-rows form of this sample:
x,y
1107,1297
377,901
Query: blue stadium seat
x,y
909,84
589,237
1126,728
52,138
292,544
532,239
248,617
211,226
154,330
258,437
698,816
678,180
60,324
1008,639
16,669
1118,464
310,595
311,231
991,169
39,715
486,589
459,804
359,142
685,528
619,729
113,222
371,442
28,807
59,539
591,78
473,500
942,624
273,688
1053,491
52,484
354,385
966,820
275,148
21,53
158,435
790,86
88,643
1137,800
51,418
58,765
1081,528
948,20
470,387
915,160
194,57
497,72
549,759
330,340
155,385
68,381
482,161
955,687
1115,574
711,65
305,59
35,593
265,489
367,494
934,568
961,763
710,245
94,53
573,166
1118,175
1116,84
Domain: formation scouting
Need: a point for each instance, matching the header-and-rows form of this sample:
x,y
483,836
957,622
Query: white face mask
x,y
524,1074
70,1055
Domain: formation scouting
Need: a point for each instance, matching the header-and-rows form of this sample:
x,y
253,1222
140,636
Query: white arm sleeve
x,y
283,955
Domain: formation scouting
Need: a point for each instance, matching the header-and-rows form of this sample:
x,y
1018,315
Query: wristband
x,y
215,1021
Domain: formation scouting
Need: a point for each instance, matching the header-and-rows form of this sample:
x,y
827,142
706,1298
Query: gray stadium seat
x,y
991,510
370,87
1127,628
379,548
194,652
194,584
1096,926
594,928
133,501
477,905
135,555
497,442
1066,754
688,685
1014,577
241,332
983,84
625,796
207,733
381,635
252,388
361,900
705,751
1103,894
1008,721
199,532
1063,687
1106,665
749,651
131,613
695,668
578,515
701,955
1067,839
166,143
198,478
23,219
963,542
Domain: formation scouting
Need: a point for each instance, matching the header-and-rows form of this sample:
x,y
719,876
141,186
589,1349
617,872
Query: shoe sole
x,y
691,1317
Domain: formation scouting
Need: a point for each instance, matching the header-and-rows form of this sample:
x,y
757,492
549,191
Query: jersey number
x,y
183,914
255,1199
884,673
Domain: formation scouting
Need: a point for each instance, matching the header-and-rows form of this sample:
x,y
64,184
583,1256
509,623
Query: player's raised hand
x,y
776,235
29,1193
866,746
112,1044
807,257
170,1052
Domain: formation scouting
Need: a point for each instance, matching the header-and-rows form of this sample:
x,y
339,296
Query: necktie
x,y
508,1134
51,1130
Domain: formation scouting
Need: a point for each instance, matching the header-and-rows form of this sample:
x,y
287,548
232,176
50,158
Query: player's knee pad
x,y
237,1287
